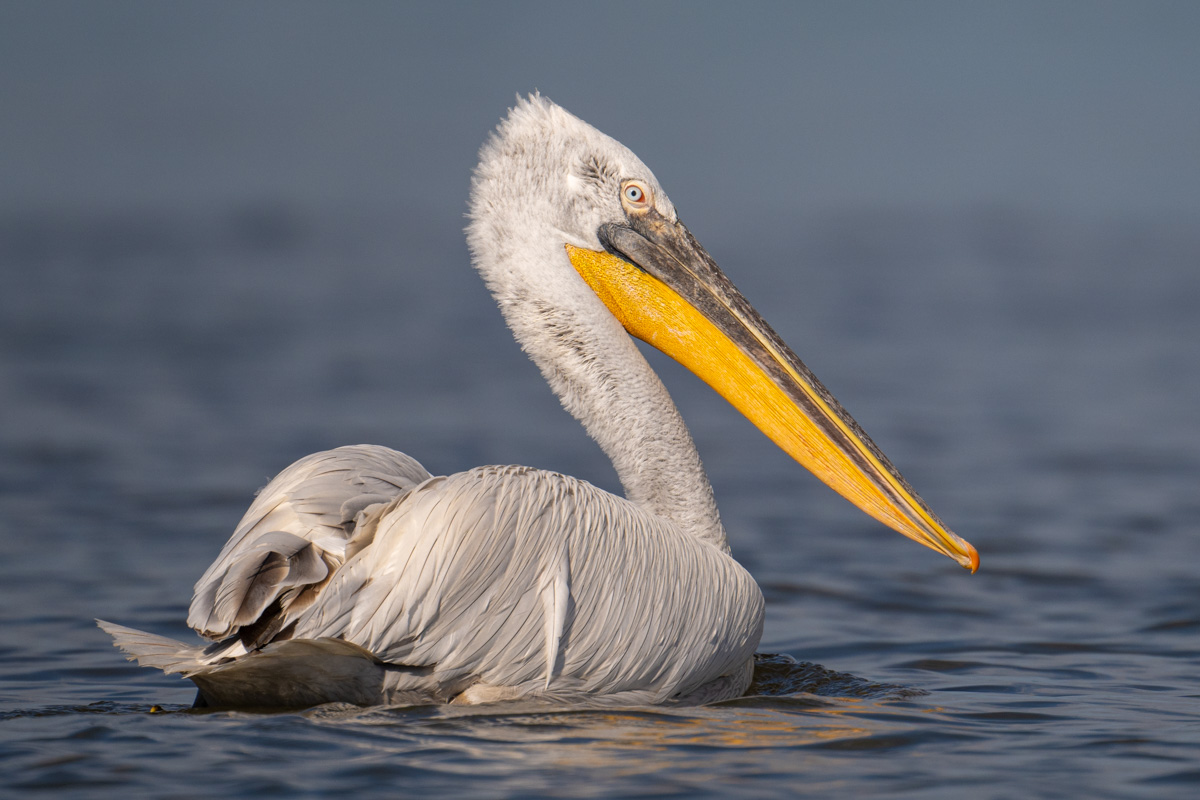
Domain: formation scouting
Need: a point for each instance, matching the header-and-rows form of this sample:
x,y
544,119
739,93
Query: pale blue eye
x,y
634,193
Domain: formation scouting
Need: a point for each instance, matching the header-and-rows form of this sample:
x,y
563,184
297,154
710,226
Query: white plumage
x,y
357,577
493,584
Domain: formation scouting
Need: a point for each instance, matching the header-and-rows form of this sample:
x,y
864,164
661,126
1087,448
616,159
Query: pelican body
x,y
356,576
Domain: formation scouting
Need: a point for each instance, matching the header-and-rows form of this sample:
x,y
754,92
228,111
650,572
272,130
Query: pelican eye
x,y
635,195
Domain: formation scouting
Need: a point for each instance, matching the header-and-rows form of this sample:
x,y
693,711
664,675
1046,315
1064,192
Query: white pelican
x,y
358,577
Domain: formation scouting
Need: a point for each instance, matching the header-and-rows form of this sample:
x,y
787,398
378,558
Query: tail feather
x,y
290,674
150,650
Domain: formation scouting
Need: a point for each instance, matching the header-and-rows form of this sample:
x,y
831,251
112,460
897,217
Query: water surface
x,y
1036,388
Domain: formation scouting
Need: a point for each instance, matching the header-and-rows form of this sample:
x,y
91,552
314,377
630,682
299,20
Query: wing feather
x,y
512,577
492,584
556,594
276,562
295,535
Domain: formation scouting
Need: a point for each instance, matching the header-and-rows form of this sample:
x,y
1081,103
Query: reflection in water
x,y
820,708
626,743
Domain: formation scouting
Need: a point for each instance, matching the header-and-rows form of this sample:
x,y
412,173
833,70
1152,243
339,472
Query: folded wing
x,y
299,530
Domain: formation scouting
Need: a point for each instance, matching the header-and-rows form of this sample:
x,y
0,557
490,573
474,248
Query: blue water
x,y
230,235
1034,377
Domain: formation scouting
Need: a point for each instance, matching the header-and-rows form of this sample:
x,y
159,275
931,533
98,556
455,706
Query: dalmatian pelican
x,y
358,577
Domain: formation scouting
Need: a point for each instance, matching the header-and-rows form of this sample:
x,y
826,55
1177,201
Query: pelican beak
x,y
667,291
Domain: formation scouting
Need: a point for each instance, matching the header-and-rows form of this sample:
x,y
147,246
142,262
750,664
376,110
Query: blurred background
x,y
231,234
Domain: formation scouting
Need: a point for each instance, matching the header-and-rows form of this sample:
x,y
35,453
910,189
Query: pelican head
x,y
577,240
